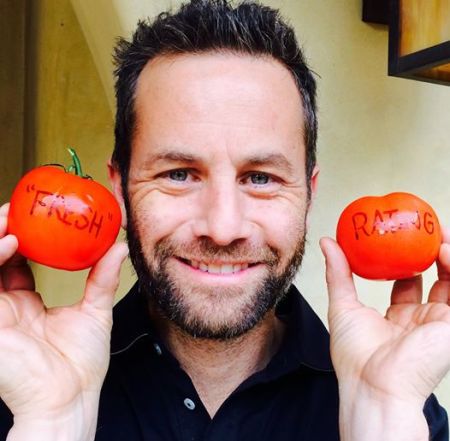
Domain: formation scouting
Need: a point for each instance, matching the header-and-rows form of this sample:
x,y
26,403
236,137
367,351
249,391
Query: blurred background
x,y
377,134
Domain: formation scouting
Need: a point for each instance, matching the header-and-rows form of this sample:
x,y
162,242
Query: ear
x,y
313,183
115,180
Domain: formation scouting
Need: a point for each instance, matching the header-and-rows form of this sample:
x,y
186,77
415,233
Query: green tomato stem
x,y
76,162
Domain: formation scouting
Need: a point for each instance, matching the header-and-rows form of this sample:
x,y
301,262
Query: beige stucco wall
x,y
377,134
12,85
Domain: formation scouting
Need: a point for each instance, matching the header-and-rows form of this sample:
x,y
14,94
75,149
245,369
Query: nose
x,y
223,215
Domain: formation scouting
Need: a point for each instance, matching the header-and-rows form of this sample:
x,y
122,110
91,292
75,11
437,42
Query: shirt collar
x,y
131,321
306,342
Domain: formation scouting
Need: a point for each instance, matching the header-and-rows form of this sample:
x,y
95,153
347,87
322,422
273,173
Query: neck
x,y
218,367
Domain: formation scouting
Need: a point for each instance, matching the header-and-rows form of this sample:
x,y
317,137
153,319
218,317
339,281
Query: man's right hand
x,y
53,361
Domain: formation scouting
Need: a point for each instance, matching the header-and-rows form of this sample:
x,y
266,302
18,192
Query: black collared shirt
x,y
147,396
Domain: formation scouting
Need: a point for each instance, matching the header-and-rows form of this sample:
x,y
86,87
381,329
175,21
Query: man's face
x,y
217,189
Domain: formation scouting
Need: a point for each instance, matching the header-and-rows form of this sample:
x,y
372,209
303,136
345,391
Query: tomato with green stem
x,y
61,219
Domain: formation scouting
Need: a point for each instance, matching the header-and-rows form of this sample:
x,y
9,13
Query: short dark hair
x,y
208,26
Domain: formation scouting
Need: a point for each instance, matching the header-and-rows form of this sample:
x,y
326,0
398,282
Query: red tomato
x,y
63,220
389,237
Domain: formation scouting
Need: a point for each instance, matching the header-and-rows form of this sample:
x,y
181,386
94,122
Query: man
x,y
214,168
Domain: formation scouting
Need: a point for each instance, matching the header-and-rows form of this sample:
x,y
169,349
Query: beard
x,y
212,312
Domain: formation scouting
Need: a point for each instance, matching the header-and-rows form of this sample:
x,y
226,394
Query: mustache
x,y
204,249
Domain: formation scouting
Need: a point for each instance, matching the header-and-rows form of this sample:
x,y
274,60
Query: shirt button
x,y
157,348
189,404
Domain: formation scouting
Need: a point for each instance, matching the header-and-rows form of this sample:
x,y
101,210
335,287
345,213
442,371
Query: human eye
x,y
260,182
257,179
180,175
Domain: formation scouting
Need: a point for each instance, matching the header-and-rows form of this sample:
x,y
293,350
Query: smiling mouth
x,y
217,268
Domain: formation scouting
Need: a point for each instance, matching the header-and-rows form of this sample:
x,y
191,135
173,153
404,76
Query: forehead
x,y
215,102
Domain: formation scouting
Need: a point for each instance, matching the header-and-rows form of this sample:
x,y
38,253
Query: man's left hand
x,y
387,366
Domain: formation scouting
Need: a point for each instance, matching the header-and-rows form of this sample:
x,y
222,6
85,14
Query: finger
x,y
103,279
4,209
440,292
407,291
3,225
17,274
341,288
443,262
445,231
8,243
8,246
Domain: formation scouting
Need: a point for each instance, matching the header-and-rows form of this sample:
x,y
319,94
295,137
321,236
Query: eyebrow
x,y
276,160
171,156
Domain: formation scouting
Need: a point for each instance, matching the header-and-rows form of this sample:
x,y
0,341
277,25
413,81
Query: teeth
x,y
214,268
226,269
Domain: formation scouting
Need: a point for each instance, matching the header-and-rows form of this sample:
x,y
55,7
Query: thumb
x,y
103,278
341,288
